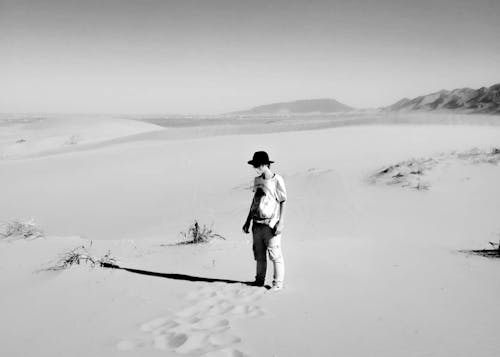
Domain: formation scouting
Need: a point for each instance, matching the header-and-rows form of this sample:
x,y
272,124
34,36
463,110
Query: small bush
x,y
489,253
197,233
20,230
79,256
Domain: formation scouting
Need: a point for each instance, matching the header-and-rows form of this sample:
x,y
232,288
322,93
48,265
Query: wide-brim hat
x,y
260,158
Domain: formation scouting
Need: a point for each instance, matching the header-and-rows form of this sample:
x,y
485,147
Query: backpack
x,y
264,205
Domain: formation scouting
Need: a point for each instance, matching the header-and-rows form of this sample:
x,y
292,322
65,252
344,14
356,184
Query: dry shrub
x,y
489,253
20,230
81,255
411,173
197,233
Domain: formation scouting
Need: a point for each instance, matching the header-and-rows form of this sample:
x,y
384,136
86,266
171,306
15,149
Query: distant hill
x,y
324,105
482,100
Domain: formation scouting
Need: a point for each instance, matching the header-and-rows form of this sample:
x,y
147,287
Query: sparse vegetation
x,y
405,174
412,173
81,255
197,233
489,253
477,156
20,230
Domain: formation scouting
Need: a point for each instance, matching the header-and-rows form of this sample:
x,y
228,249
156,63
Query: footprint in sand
x,y
203,328
226,352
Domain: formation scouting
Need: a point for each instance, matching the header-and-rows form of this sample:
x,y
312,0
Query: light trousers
x,y
266,243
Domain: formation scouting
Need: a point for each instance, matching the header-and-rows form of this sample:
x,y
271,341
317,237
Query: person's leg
x,y
276,256
260,252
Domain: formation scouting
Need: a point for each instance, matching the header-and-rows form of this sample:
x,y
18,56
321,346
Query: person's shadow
x,y
179,276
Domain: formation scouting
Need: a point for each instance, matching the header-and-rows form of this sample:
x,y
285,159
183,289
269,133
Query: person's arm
x,y
281,222
282,212
246,226
281,195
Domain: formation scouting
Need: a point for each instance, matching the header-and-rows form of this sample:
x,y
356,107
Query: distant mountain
x,y
482,100
298,107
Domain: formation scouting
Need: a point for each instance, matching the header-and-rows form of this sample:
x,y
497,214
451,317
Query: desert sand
x,y
374,266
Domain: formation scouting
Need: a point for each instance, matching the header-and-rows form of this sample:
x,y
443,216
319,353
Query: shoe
x,y
277,287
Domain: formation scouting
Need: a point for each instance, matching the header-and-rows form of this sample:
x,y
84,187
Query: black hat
x,y
260,158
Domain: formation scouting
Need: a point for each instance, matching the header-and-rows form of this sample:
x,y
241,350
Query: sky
x,y
215,56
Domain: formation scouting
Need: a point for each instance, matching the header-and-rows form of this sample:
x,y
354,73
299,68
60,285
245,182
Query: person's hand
x,y
246,227
278,228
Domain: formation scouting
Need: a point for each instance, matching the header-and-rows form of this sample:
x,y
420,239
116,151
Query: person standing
x,y
266,216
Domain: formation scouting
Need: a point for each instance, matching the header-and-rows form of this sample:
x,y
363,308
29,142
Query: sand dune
x,y
111,132
23,138
372,269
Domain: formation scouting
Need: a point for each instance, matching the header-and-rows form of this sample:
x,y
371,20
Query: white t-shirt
x,y
276,186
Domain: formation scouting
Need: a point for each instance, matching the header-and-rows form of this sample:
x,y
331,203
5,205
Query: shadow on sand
x,y
488,253
179,276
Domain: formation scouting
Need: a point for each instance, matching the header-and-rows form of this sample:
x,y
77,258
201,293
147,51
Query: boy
x,y
267,217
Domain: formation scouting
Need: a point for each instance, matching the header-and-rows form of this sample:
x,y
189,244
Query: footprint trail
x,y
203,327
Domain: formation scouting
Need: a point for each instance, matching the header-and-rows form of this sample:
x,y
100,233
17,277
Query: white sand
x,y
39,135
372,270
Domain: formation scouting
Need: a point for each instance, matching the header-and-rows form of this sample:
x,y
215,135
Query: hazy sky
x,y
211,56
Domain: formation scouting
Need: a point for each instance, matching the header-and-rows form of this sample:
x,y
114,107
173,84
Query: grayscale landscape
x,y
125,131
